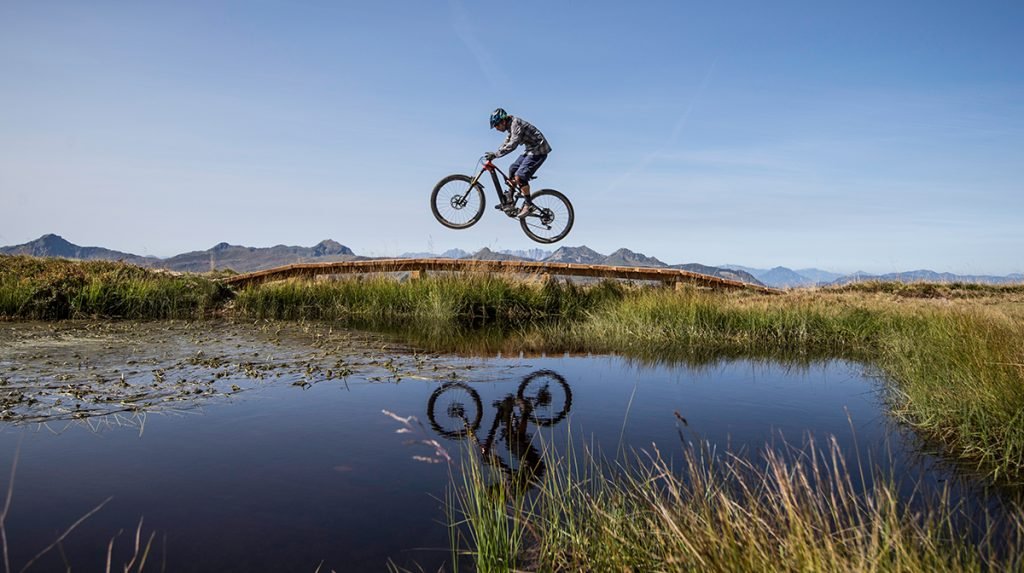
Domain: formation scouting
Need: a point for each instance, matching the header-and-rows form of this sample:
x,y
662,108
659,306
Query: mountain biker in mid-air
x,y
537,149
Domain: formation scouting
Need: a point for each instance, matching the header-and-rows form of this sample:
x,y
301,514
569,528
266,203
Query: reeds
x,y
493,516
472,298
789,510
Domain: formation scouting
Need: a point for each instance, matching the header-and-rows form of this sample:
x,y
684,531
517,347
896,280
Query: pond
x,y
292,447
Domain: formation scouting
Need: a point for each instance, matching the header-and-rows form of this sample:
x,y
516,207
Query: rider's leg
x,y
524,186
523,175
512,170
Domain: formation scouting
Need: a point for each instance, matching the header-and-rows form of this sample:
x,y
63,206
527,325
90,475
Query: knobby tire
x,y
446,202
563,217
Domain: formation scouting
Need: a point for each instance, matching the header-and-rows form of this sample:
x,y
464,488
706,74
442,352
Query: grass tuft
x,y
790,511
56,289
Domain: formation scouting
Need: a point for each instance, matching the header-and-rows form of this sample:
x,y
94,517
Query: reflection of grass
x,y
32,288
795,511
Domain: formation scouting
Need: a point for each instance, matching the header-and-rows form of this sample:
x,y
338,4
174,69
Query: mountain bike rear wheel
x,y
548,395
455,203
551,218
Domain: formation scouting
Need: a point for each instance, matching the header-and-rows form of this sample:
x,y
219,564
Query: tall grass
x,y
492,513
790,511
54,289
469,298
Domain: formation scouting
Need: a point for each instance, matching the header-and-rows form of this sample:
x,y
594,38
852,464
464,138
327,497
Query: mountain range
x,y
220,256
782,277
247,259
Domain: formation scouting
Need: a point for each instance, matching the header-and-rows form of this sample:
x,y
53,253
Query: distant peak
x,y
580,249
220,247
50,238
328,247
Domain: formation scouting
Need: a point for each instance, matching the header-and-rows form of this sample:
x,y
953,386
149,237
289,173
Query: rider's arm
x,y
515,134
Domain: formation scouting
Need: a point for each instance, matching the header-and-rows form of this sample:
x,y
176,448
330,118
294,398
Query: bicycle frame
x,y
514,433
545,215
494,170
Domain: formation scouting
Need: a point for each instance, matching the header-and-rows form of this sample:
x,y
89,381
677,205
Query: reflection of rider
x,y
543,398
519,442
523,169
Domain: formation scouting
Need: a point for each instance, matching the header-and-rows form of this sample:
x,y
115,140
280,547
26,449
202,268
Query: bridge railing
x,y
421,266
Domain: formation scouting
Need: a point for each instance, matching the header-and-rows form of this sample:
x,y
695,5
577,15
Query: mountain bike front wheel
x,y
551,218
454,410
456,203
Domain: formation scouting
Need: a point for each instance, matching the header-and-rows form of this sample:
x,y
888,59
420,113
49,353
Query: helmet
x,y
497,116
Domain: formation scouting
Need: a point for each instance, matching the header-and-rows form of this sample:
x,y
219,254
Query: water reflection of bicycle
x,y
543,398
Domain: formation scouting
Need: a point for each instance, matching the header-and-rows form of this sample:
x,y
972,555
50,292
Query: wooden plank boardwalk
x,y
420,266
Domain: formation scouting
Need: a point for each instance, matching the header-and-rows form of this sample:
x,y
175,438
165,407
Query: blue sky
x,y
876,136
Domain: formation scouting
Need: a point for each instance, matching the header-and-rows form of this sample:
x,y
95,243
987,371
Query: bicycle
x,y
458,202
543,398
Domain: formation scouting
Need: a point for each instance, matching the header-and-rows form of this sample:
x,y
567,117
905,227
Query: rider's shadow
x,y
543,399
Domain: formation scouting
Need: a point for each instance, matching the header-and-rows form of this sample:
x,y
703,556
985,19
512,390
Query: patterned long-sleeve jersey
x,y
522,131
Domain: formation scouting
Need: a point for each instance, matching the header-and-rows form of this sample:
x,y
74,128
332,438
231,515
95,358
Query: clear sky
x,y
876,136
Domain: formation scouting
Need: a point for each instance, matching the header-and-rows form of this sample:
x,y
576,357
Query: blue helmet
x,y
497,116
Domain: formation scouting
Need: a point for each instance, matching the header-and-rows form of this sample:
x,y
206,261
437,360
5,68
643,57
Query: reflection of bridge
x,y
418,267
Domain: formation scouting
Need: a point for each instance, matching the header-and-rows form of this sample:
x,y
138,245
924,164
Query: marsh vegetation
x,y
950,360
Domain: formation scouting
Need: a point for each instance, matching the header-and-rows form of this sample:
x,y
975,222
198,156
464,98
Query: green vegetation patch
x,y
53,289
466,299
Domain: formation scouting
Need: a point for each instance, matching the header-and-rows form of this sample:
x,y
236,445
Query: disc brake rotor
x,y
547,216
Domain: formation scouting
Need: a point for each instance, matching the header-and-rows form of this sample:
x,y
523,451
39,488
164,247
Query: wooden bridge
x,y
418,268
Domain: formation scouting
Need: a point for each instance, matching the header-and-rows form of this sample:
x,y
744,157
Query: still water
x,y
271,447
